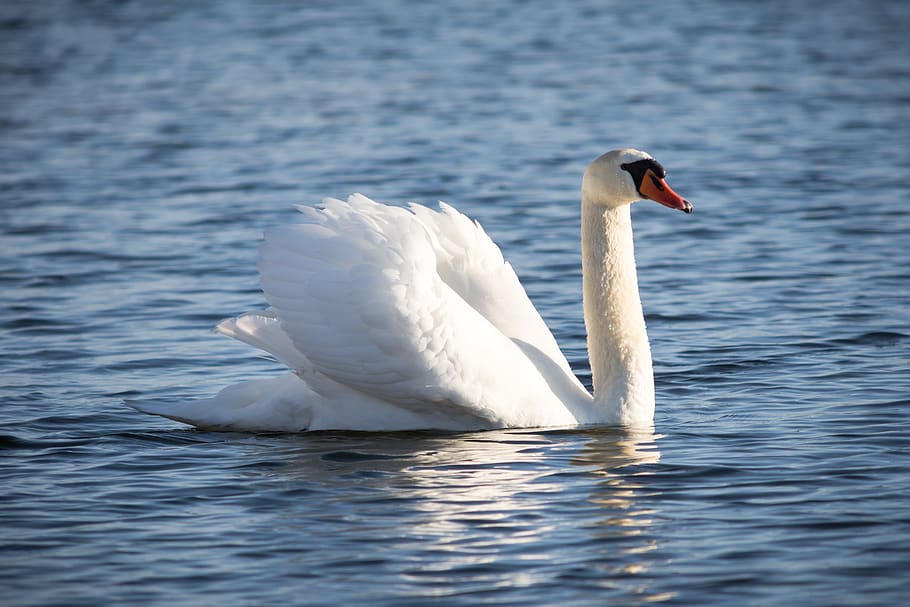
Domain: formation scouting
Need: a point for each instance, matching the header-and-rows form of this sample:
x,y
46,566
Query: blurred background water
x,y
144,146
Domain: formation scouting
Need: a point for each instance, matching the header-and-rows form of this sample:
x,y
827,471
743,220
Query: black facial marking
x,y
638,169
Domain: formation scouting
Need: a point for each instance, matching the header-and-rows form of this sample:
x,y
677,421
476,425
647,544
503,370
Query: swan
x,y
393,318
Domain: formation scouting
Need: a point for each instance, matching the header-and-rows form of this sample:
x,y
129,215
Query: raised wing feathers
x,y
404,305
472,264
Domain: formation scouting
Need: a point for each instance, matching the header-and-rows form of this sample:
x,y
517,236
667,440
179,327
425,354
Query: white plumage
x,y
399,318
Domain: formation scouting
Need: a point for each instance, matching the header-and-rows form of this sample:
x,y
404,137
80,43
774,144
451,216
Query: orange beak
x,y
654,188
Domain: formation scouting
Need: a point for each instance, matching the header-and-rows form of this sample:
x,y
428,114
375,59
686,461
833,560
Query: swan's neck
x,y
617,339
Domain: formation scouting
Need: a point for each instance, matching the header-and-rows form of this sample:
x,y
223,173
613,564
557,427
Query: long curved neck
x,y
617,338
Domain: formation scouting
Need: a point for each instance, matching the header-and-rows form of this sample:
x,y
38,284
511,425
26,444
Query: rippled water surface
x,y
144,146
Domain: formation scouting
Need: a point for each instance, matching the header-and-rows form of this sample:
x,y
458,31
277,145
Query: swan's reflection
x,y
619,459
616,457
502,507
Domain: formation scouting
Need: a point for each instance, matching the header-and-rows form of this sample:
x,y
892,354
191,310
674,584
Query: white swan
x,y
393,319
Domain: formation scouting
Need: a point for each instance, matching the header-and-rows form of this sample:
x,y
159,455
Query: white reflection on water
x,y
492,509
617,459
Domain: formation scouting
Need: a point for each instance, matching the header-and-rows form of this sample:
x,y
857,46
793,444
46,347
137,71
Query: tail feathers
x,y
275,404
179,411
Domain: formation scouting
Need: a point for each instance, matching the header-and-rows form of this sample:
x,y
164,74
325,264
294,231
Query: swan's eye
x,y
646,167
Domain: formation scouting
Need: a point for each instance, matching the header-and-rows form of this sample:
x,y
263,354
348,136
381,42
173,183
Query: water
x,y
145,146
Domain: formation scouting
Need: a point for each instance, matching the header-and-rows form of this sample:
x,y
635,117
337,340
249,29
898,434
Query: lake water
x,y
144,146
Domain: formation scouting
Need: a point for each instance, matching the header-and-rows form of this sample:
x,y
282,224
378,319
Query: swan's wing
x,y
357,291
473,266
263,330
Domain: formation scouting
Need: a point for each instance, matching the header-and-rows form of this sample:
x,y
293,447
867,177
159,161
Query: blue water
x,y
144,146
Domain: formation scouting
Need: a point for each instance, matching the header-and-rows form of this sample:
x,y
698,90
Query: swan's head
x,y
623,176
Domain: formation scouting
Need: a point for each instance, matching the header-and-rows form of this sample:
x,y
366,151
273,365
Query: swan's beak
x,y
654,188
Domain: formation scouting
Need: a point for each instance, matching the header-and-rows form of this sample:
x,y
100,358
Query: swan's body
x,y
393,318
